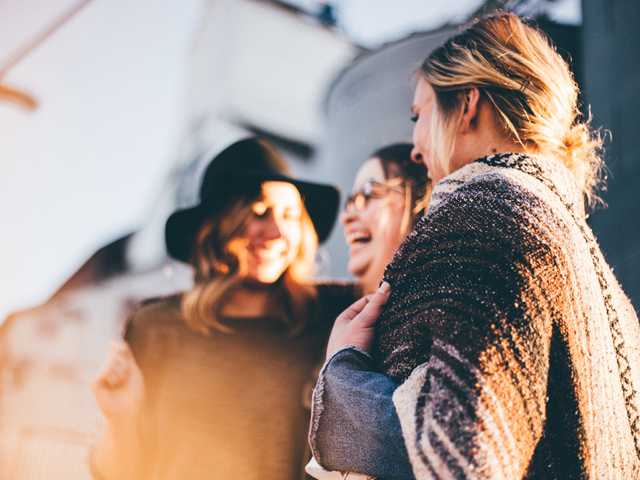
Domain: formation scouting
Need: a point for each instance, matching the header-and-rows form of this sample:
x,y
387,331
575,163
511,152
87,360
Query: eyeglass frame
x,y
360,199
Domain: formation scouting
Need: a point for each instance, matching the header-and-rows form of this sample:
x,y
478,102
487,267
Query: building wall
x,y
261,66
611,49
368,107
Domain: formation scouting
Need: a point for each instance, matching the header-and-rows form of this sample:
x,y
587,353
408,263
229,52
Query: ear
x,y
470,100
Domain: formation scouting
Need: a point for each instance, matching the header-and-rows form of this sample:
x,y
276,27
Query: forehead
x,y
424,93
370,170
280,193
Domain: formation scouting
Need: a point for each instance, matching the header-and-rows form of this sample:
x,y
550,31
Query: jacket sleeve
x,y
468,334
354,425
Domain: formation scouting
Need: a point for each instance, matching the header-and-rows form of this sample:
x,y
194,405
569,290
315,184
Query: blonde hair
x,y
220,268
529,85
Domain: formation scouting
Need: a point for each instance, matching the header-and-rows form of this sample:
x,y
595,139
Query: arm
x,y
119,391
354,425
467,333
463,425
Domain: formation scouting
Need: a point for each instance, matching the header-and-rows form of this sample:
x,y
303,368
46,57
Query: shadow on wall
x,y
610,39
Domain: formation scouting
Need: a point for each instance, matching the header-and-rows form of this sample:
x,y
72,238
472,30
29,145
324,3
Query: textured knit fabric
x,y
517,351
228,405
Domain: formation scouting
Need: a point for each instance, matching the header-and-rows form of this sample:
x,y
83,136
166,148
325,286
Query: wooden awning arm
x,y
16,96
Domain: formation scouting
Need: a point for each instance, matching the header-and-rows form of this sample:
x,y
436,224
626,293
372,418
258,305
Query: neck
x,y
368,285
488,137
483,137
505,145
247,301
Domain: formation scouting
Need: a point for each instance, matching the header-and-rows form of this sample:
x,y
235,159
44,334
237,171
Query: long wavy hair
x,y
530,86
220,267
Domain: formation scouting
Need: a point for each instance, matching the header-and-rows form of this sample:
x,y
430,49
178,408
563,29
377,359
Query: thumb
x,y
374,307
382,294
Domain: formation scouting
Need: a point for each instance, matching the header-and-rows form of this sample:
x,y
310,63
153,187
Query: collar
x,y
551,173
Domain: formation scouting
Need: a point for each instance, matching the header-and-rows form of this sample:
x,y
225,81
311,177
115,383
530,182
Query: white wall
x,y
85,166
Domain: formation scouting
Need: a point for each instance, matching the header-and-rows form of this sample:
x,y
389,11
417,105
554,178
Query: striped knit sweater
x,y
517,351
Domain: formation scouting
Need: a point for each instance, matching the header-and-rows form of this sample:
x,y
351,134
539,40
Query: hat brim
x,y
320,200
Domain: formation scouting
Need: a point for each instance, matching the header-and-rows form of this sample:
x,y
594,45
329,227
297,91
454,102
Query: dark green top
x,y
228,405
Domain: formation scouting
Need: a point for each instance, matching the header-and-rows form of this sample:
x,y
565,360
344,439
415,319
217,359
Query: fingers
x,y
356,325
351,312
382,294
121,347
374,306
116,374
117,366
379,298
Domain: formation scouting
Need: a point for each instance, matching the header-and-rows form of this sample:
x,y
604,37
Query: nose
x,y
416,156
272,231
347,215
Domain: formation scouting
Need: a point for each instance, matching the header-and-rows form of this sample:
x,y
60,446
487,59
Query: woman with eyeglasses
x,y
390,194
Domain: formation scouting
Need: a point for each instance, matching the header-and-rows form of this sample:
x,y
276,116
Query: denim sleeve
x,y
354,424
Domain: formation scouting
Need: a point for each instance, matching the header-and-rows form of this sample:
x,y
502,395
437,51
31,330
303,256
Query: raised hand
x,y
356,325
119,385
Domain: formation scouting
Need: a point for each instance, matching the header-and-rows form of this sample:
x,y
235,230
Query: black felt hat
x,y
248,161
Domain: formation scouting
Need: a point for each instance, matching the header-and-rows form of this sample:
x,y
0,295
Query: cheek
x,y
416,141
371,218
295,243
294,239
424,134
394,226
383,222
250,231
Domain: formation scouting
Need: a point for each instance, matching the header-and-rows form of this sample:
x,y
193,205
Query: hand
x,y
356,325
119,385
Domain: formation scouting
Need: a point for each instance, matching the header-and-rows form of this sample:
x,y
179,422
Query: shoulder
x,y
154,321
154,311
475,181
337,290
512,209
527,182
335,296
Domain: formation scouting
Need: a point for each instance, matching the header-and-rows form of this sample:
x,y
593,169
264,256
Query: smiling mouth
x,y
266,256
355,238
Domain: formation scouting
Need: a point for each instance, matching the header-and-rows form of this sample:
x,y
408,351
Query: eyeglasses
x,y
372,189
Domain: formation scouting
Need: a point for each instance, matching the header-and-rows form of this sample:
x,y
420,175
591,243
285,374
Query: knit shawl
x,y
517,350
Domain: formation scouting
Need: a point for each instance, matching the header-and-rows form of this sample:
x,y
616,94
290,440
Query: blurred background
x,y
117,87
110,110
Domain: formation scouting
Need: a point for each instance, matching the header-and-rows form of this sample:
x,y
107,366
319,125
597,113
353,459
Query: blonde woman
x,y
505,347
213,383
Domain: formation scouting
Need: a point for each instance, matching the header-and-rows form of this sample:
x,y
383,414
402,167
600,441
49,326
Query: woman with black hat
x,y
215,383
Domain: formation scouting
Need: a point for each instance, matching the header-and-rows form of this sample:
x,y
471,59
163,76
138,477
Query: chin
x,y
259,283
356,270
264,277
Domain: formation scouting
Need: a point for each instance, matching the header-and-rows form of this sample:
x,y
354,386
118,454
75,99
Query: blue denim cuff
x,y
354,424
347,353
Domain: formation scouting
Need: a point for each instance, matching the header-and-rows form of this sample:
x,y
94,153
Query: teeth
x,y
267,254
359,236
